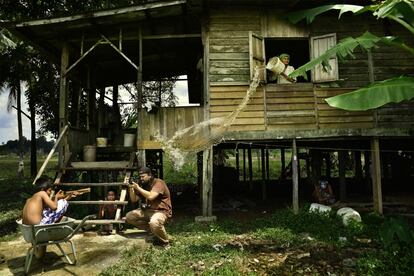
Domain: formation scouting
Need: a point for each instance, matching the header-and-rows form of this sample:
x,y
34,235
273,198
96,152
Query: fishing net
x,y
201,136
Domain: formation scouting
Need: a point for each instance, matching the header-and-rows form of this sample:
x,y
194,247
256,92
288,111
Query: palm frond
x,y
12,98
344,48
376,95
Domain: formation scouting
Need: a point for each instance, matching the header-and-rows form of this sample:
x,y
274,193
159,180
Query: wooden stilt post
x,y
267,165
358,166
328,164
367,159
207,189
244,166
249,159
63,104
342,181
140,151
262,155
282,159
237,166
376,175
316,165
200,175
295,178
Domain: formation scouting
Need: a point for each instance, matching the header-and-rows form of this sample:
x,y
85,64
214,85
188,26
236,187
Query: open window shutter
x,y
320,44
257,55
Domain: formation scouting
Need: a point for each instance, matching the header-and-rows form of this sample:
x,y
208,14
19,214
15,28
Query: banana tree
x,y
377,94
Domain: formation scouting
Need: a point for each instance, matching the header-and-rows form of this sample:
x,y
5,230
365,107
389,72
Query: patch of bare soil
x,y
94,253
267,258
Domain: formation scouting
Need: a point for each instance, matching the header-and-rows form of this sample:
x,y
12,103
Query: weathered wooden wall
x,y
229,44
166,122
290,106
330,117
225,99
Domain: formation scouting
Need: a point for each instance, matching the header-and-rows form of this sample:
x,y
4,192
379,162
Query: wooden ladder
x,y
127,167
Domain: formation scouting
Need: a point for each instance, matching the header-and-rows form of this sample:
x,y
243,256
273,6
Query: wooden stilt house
x,y
217,44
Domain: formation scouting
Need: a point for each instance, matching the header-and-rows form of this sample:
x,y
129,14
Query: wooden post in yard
x,y
376,175
295,178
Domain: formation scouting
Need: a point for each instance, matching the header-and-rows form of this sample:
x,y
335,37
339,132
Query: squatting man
x,y
155,210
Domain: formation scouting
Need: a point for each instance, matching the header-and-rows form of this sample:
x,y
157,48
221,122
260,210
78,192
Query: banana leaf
x,y
344,48
5,41
393,90
310,14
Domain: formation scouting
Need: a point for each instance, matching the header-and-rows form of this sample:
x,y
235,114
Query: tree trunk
x,y
20,171
33,146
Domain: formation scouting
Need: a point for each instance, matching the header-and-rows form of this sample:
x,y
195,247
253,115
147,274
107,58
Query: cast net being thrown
x,y
202,135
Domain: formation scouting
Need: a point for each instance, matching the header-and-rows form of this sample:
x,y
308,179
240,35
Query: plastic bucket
x,y
101,142
348,214
275,65
89,153
129,140
316,207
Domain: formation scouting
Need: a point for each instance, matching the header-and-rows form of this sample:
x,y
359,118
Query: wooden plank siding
x,y
396,115
290,107
166,122
330,117
225,99
229,45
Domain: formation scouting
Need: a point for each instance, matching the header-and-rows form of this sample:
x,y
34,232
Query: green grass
x,y
229,247
239,246
9,165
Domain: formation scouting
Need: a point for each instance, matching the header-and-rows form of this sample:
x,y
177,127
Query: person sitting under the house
x,y
108,211
323,192
41,209
283,77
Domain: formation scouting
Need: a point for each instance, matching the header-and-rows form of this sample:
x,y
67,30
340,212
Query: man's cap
x,y
145,170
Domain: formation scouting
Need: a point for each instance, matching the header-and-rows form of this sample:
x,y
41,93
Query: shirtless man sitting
x,y
41,209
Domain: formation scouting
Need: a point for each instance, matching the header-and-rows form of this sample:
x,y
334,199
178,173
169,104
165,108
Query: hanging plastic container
x,y
348,214
101,142
275,65
129,140
89,153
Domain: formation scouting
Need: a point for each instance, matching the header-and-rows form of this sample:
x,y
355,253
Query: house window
x,y
298,49
301,50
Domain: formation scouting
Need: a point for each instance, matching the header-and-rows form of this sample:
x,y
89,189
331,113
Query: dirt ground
x,y
94,253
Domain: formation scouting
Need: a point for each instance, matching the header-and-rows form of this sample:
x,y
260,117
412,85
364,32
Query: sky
x,y
8,121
